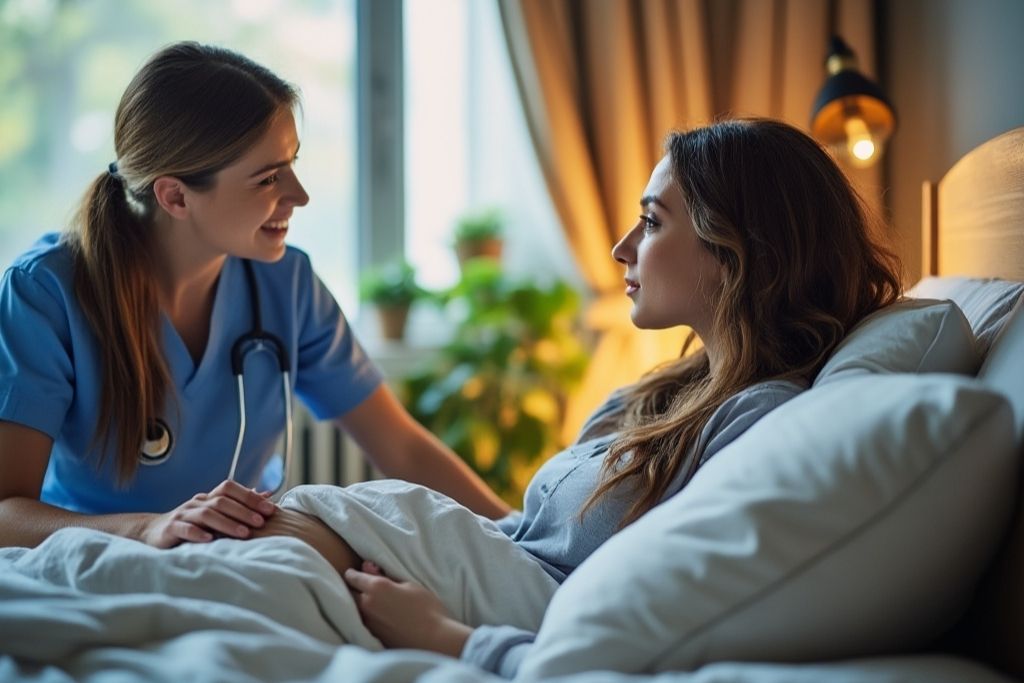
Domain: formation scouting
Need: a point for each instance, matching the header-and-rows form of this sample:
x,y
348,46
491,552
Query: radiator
x,y
324,454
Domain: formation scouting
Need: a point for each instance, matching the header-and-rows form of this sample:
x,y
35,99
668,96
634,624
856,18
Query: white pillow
x,y
985,301
916,668
914,335
992,629
854,519
1003,368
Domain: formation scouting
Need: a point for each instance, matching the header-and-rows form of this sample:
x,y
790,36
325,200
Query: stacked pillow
x,y
992,629
854,519
985,301
1003,368
914,335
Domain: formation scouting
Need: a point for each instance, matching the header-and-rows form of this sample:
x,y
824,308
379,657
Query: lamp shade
x,y
851,114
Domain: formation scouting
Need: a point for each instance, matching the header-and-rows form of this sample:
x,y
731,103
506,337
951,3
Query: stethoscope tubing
x,y
288,432
241,426
239,350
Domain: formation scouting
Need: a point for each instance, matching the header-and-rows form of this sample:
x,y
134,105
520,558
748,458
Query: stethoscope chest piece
x,y
158,444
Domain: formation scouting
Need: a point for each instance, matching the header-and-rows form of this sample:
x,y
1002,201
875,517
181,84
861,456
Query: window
x,y
467,146
64,66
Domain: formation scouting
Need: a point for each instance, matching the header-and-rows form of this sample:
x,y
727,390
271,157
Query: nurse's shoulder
x,y
50,258
47,266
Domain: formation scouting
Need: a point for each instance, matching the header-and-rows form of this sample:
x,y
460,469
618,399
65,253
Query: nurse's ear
x,y
170,195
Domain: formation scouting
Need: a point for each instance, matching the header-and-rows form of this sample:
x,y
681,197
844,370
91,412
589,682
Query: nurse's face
x,y
670,276
247,210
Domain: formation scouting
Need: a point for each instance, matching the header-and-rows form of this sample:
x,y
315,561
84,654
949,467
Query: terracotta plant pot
x,y
392,321
490,248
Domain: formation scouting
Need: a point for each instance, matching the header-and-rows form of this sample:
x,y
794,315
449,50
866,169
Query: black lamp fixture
x,y
851,115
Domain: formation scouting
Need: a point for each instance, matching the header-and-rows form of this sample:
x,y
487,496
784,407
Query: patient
x,y
750,235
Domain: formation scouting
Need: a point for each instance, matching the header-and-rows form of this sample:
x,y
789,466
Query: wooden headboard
x,y
973,219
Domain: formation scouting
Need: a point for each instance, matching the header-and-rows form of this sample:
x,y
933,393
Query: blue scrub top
x,y
50,379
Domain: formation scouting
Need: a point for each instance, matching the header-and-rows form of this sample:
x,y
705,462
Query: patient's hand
x,y
310,529
402,614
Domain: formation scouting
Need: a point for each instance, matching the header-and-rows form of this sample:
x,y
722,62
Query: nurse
x,y
119,408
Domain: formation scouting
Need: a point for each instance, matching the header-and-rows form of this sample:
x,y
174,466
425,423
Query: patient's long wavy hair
x,y
190,111
801,265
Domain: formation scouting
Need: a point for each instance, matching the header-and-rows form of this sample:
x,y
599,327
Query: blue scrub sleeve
x,y
334,373
36,372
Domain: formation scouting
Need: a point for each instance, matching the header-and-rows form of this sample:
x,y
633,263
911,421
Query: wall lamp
x,y
851,116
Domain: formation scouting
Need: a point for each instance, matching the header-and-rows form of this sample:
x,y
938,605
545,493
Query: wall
x,y
955,72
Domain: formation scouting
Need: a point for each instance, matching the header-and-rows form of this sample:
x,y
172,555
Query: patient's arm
x,y
310,529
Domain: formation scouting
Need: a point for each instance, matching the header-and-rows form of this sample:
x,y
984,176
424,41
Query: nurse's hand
x,y
230,510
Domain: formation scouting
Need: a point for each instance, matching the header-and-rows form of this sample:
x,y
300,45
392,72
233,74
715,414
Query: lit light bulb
x,y
860,144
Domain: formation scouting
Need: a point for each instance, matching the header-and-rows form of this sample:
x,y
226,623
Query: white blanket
x,y
87,606
85,602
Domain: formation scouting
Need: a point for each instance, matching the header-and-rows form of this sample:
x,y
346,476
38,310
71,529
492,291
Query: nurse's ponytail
x,y
190,111
114,286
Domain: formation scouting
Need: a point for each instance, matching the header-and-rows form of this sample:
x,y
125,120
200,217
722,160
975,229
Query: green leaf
x,y
482,225
393,284
443,389
513,357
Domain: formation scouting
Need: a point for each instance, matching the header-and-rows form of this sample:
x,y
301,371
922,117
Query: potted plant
x,y
496,392
479,234
391,289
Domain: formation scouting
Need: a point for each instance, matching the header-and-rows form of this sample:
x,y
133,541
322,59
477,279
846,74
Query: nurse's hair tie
x,y
112,170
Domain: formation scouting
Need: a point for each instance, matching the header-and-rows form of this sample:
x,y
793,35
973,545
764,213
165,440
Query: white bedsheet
x,y
266,609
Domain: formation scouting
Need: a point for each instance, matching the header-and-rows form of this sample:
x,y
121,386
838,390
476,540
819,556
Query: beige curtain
x,y
603,81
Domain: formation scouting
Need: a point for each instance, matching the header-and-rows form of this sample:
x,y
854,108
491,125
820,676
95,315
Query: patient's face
x,y
669,274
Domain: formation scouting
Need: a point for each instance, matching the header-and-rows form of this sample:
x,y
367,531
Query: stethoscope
x,y
159,441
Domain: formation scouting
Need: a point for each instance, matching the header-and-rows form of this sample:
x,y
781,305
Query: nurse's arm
x,y
402,448
24,520
230,509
